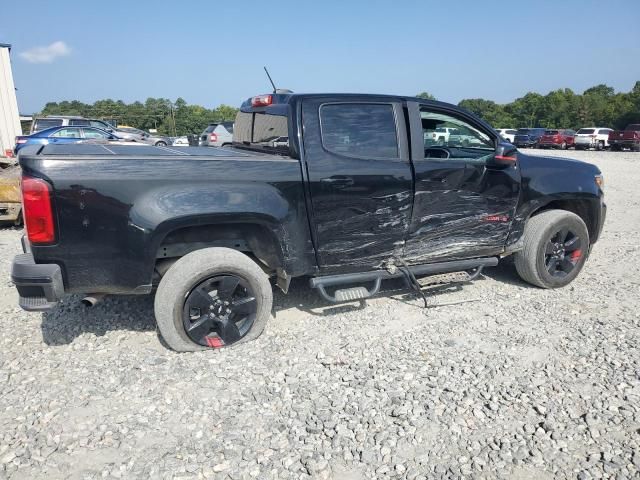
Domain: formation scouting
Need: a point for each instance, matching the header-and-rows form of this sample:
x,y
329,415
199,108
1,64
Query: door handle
x,y
338,181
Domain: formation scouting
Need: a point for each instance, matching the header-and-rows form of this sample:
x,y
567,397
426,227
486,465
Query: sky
x,y
212,52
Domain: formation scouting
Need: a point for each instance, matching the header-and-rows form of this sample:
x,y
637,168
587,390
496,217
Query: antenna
x,y
272,84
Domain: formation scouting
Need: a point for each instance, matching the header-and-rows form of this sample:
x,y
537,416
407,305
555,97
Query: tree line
x,y
597,106
167,117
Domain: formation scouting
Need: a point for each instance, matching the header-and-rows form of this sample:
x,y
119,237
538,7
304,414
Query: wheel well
x,y
582,208
255,240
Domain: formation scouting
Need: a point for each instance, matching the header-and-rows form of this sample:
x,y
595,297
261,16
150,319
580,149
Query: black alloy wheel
x,y
219,311
563,251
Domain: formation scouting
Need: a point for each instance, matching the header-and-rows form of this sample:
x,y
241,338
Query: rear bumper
x,y
40,286
625,143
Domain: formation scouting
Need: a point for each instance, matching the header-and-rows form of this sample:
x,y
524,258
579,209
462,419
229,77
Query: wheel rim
x,y
563,252
219,311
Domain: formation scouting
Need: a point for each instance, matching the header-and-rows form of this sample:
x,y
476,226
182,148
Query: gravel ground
x,y
517,382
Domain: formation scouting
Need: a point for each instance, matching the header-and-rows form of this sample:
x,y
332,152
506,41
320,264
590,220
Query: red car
x,y
562,139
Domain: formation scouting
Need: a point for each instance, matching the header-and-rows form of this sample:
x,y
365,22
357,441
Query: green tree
x,y
426,96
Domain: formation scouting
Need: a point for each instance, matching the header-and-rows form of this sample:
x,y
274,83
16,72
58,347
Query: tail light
x,y
37,212
213,137
262,100
20,140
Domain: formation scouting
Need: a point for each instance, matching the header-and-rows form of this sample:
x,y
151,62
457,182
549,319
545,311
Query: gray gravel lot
x,y
517,383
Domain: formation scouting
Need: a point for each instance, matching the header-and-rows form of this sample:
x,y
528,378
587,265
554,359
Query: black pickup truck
x,y
349,190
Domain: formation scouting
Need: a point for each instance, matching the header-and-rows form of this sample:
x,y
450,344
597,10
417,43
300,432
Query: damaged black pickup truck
x,y
348,190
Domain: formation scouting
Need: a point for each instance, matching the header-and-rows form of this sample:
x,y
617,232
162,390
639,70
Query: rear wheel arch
x,y
256,240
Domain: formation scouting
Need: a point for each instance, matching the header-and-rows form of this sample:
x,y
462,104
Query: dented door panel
x,y
462,208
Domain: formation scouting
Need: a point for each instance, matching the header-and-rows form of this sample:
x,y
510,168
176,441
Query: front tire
x,y
556,246
161,144
212,298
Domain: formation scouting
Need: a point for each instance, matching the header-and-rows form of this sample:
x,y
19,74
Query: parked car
x,y
354,207
62,135
509,134
594,137
629,138
557,138
146,137
528,137
217,135
74,121
181,142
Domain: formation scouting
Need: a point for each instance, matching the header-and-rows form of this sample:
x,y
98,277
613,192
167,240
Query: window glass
x,y
228,126
586,131
44,123
359,130
99,124
67,133
604,131
448,137
93,133
78,122
512,132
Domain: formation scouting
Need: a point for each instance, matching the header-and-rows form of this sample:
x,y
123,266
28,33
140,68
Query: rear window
x,y
551,132
43,123
228,126
586,131
604,131
359,130
210,128
523,131
260,128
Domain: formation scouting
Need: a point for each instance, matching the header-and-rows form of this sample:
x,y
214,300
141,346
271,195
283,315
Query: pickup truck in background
x,y
358,194
627,138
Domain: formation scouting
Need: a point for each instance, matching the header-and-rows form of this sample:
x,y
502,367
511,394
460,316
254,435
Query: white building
x,y
9,116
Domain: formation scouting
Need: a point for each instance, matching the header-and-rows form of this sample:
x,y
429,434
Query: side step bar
x,y
376,276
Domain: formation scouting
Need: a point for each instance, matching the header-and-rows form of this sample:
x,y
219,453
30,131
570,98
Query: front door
x,y
463,208
360,180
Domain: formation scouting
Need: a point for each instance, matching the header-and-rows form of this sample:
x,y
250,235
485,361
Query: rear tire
x,y
539,262
563,146
600,146
195,269
161,144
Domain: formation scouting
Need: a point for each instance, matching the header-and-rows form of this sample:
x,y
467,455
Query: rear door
x,y
360,179
463,208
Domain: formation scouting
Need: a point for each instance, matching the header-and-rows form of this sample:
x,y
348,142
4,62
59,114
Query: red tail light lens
x,y
37,212
213,137
262,100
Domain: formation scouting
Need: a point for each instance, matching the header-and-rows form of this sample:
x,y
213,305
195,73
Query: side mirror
x,y
505,155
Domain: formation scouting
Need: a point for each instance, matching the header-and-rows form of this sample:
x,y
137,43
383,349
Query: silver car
x,y
217,135
146,137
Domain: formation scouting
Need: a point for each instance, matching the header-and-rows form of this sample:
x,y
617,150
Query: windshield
x,y
522,131
586,131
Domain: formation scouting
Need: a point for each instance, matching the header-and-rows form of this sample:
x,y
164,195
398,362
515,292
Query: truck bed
x,y
112,202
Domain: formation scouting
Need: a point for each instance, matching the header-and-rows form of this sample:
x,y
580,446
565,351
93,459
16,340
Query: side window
x,y
78,122
449,137
96,123
67,133
93,133
364,130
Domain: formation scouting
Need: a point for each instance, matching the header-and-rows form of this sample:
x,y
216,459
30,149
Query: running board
x,y
376,276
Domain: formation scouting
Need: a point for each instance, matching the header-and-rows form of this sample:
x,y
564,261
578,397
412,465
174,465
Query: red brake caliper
x,y
215,342
575,255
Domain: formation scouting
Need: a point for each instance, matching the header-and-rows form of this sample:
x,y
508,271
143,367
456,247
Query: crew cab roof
x,y
287,98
